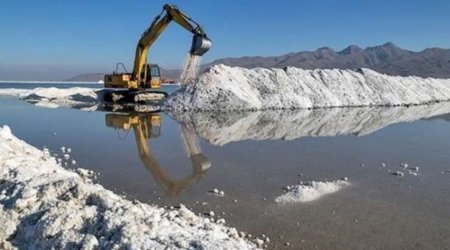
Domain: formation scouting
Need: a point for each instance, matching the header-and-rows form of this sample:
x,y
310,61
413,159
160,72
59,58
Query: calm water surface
x,y
251,157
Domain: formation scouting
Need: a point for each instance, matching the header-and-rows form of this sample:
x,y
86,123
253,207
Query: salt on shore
x,y
43,205
55,97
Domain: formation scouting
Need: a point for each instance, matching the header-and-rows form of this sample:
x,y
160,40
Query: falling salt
x,y
190,69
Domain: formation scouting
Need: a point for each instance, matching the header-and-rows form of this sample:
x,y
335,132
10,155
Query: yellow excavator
x,y
143,82
148,126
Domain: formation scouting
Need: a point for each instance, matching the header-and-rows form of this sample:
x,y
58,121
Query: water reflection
x,y
220,129
148,126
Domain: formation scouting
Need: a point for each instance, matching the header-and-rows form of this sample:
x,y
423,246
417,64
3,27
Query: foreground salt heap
x,y
44,206
233,88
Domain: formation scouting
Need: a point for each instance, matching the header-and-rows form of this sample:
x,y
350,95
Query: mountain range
x,y
386,58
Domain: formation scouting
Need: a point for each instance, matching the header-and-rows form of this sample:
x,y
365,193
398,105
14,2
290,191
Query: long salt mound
x,y
75,97
44,206
227,88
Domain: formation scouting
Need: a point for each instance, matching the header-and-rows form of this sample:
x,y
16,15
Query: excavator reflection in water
x,y
148,125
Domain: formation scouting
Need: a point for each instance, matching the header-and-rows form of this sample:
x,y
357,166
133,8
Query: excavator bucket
x,y
200,45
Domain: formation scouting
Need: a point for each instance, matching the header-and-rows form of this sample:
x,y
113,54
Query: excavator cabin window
x,y
154,71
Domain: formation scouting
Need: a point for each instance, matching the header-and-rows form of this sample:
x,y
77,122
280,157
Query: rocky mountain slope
x,y
386,58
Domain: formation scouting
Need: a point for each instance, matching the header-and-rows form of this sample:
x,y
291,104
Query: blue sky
x,y
93,35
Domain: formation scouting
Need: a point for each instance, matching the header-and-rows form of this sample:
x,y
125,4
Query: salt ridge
x,y
224,88
43,206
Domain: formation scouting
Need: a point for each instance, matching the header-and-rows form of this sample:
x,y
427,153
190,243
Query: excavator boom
x,y
146,75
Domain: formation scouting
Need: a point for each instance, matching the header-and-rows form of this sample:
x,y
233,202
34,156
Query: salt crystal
x,y
398,173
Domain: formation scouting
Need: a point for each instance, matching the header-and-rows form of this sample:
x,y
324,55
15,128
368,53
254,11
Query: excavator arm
x,y
146,75
200,44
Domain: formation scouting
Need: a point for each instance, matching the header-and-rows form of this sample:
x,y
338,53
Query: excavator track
x,y
139,96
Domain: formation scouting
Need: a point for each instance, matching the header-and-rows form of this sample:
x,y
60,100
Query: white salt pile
x,y
233,88
223,88
312,191
44,206
54,97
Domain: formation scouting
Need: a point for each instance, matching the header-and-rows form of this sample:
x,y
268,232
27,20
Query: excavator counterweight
x,y
142,84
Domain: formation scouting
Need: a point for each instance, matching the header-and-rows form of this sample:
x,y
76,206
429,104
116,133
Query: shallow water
x,y
253,156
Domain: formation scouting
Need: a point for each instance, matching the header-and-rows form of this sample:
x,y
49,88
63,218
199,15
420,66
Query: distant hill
x,y
89,77
386,58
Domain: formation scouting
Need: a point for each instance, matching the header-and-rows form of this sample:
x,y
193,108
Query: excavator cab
x,y
151,76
